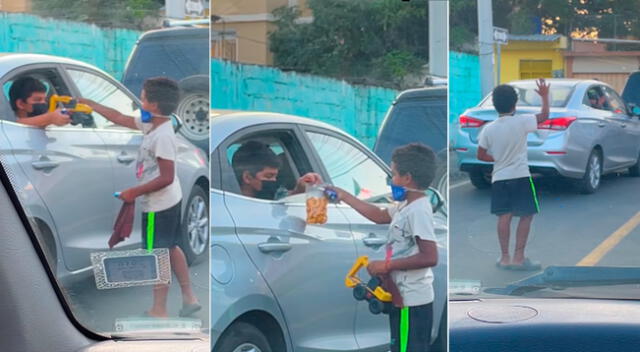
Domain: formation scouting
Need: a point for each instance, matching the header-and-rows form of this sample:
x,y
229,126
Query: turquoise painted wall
x,y
358,110
464,87
107,49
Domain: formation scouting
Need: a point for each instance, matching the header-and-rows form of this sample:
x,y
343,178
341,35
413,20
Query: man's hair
x,y
504,98
253,156
22,88
164,92
418,160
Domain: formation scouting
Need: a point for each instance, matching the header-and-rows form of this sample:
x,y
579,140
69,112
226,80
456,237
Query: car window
x,y
527,96
349,167
263,150
597,99
616,103
98,89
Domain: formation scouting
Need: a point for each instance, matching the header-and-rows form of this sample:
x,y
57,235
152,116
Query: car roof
x,y
11,61
165,33
226,124
427,92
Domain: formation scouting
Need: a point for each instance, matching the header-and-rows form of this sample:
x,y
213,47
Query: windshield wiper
x,y
561,277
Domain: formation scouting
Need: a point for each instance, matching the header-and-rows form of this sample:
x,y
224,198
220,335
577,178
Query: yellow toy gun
x,y
373,292
79,113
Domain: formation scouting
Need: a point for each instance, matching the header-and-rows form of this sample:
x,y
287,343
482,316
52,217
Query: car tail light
x,y
470,122
557,123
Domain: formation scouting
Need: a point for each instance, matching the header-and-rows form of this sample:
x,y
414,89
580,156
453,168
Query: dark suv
x,y
182,54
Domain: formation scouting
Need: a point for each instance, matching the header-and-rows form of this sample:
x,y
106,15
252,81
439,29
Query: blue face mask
x,y
398,193
145,116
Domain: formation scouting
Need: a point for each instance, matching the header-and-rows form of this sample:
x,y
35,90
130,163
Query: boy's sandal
x,y
502,266
189,309
527,265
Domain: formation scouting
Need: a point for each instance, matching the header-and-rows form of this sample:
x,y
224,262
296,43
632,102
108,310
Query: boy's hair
x,y
253,156
164,92
418,160
504,98
22,88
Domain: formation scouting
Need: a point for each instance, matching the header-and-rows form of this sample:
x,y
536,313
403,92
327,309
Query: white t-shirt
x,y
160,142
407,223
505,139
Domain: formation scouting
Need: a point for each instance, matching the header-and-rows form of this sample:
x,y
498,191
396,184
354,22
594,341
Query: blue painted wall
x,y
464,87
107,49
358,110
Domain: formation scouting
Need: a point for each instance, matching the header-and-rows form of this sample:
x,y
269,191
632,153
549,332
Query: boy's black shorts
x,y
419,320
164,226
516,196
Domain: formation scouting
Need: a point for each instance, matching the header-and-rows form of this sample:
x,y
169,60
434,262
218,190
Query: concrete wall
x,y
107,49
358,110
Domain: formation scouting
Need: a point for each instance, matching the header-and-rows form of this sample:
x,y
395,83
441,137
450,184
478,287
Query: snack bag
x,y
316,205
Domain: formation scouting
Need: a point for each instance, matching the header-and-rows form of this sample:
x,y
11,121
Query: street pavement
x,y
569,227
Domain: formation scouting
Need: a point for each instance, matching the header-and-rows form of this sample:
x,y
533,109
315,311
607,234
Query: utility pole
x,y
485,38
438,38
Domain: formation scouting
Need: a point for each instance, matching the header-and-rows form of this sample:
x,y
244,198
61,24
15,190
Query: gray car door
x,y
121,143
630,134
303,264
67,167
611,128
349,167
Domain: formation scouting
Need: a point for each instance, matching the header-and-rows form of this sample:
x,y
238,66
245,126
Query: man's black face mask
x,y
268,191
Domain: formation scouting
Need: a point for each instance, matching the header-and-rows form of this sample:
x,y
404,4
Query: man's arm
x,y
483,155
55,117
543,91
165,179
110,114
369,211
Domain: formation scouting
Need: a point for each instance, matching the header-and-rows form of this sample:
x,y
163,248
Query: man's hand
x,y
310,178
377,267
58,118
129,195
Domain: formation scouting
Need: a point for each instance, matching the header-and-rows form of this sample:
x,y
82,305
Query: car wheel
x,y
634,171
194,112
593,173
195,224
243,337
480,180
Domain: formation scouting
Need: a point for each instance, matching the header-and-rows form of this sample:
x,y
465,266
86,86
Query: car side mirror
x,y
435,198
634,109
176,122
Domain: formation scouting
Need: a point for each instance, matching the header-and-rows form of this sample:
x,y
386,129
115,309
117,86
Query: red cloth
x,y
124,224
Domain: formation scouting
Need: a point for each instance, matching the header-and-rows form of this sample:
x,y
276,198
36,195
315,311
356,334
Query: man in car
x,y
256,167
504,143
28,97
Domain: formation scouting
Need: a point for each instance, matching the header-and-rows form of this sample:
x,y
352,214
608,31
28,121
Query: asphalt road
x,y
99,309
597,229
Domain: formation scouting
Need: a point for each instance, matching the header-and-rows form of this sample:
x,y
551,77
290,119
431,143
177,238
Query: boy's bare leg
x,y
181,269
522,234
159,308
504,232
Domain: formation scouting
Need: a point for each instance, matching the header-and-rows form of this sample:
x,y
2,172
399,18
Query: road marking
x,y
610,242
460,184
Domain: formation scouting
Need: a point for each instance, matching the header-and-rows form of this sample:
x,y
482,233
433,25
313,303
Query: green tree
x,y
103,13
362,41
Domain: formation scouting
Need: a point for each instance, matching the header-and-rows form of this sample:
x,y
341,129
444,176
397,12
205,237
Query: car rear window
x,y
560,93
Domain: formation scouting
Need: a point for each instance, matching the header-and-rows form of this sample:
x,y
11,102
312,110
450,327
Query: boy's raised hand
x,y
543,87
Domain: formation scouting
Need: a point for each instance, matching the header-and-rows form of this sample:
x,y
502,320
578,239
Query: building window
x,y
224,45
531,69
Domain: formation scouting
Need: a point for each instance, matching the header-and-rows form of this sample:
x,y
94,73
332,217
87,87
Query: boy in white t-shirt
x,y
504,142
411,246
158,185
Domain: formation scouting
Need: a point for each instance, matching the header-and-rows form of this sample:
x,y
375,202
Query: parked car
x,y
67,175
279,282
590,132
417,115
182,54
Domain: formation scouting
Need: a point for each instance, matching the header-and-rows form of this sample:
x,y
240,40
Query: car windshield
x,y
74,142
527,96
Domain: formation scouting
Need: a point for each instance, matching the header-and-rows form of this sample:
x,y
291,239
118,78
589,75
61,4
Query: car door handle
x,y
44,164
624,125
125,158
270,247
373,241
601,124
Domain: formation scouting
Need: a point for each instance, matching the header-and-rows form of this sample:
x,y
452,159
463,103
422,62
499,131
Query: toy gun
x,y
380,292
80,114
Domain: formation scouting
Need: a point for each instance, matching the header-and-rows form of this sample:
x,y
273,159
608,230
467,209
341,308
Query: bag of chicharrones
x,y
316,204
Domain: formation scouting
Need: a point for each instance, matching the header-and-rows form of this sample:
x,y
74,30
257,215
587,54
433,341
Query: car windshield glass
x,y
527,96
128,257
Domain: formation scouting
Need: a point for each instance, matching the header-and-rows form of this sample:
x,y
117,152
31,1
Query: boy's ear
x,y
21,104
246,177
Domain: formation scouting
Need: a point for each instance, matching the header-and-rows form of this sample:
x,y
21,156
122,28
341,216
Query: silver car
x,y
67,175
278,283
590,132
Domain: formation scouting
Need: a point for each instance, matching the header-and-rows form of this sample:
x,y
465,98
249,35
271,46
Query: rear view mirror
x,y
634,109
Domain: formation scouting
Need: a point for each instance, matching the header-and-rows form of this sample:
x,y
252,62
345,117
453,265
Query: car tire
x,y
241,337
195,226
193,110
479,179
634,171
590,182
